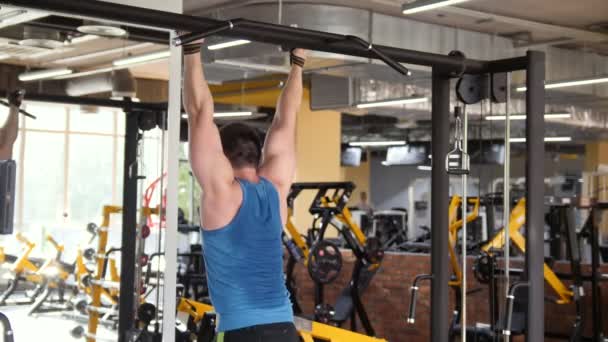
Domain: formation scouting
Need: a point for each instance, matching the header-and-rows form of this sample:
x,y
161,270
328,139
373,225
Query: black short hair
x,y
242,144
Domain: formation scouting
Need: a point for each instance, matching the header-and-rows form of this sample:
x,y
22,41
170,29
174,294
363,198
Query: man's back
x,y
244,262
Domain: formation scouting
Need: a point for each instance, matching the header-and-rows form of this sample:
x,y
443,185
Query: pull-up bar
x,y
253,30
231,24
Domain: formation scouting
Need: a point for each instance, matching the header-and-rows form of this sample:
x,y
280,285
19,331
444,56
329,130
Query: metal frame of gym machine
x,y
444,68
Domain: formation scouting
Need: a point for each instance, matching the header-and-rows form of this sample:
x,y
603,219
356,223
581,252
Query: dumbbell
x,y
78,333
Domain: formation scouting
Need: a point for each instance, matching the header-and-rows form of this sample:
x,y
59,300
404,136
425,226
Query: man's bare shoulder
x,y
220,207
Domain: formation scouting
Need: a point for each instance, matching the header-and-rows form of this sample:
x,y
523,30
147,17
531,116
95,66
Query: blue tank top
x,y
244,262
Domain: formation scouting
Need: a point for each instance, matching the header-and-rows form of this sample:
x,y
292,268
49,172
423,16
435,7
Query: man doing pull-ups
x,y
245,185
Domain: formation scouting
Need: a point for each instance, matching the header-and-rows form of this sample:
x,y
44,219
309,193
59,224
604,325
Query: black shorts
x,y
275,332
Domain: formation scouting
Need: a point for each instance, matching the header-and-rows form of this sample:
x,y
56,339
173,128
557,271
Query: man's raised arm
x,y
279,163
209,164
10,129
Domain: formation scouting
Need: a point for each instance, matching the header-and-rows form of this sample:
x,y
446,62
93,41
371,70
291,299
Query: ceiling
x,y
488,16
574,37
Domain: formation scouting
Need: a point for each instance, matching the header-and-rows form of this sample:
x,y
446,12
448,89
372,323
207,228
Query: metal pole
x,y
172,155
595,264
439,207
126,313
535,152
465,128
506,191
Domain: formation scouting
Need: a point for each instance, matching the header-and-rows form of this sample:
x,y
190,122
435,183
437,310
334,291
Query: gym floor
x,y
44,327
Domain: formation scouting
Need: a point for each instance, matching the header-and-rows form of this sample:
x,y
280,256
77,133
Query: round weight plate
x,y
324,262
143,260
89,254
92,228
86,280
146,312
81,306
77,332
145,231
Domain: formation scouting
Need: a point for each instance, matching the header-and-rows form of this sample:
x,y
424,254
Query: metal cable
x,y
506,190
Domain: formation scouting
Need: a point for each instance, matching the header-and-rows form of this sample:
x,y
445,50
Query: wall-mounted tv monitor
x,y
410,154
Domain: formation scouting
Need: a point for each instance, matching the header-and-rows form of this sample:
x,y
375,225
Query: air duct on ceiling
x,y
41,38
119,82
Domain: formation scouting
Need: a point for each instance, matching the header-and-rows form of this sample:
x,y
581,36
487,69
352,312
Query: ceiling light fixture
x,y
225,114
573,83
547,139
392,102
231,114
425,167
142,58
549,116
42,74
427,5
228,44
102,53
377,143
11,14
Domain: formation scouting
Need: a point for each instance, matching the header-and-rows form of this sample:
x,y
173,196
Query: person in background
x,y
364,204
10,129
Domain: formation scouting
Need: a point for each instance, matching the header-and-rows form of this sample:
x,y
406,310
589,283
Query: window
x,y
43,179
69,165
49,117
92,119
90,175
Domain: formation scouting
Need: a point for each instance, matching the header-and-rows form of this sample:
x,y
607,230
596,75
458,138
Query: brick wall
x,y
387,298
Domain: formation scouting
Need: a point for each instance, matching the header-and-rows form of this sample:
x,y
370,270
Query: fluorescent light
x,y
41,74
558,116
253,66
564,84
553,139
8,15
377,143
228,44
427,5
392,102
523,117
142,58
101,53
225,114
87,73
425,167
83,39
231,114
547,139
504,117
